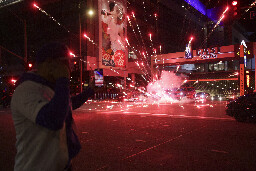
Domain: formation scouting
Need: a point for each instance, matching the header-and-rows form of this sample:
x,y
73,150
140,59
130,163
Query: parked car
x,y
243,108
202,96
180,93
188,92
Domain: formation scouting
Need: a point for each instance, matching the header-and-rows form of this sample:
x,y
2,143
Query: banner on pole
x,y
113,51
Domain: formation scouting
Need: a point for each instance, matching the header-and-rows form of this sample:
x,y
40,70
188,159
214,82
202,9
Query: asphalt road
x,y
134,136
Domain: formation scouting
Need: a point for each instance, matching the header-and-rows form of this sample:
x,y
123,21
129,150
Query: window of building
x,y
200,68
232,65
132,56
220,66
211,67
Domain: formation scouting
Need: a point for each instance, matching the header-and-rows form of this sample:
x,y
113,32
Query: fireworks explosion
x,y
163,89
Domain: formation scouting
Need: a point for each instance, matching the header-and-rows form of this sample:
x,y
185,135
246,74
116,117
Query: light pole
x,y
90,13
80,53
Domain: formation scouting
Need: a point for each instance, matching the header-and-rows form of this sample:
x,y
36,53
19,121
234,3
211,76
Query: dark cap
x,y
52,50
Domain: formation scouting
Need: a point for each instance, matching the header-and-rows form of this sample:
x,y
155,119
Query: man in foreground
x,y
41,110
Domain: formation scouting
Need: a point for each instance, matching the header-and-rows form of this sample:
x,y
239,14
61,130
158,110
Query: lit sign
x,y
98,74
208,53
4,3
248,49
248,80
241,79
188,51
245,47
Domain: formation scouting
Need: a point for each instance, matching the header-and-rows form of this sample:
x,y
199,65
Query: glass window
x,y
200,67
216,67
211,66
233,65
221,66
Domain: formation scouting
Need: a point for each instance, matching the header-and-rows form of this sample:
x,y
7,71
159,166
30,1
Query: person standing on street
x,y
42,113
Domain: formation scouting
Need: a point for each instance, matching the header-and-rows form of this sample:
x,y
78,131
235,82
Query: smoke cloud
x,y
158,90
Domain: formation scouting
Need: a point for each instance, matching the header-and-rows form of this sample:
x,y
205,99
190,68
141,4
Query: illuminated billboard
x,y
112,32
98,74
188,51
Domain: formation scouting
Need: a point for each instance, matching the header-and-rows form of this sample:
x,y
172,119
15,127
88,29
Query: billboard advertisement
x,y
112,34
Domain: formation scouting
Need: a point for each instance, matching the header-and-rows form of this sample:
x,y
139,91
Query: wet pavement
x,y
144,136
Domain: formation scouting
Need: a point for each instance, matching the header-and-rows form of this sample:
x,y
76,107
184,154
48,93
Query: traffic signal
x,y
30,66
236,12
13,81
75,64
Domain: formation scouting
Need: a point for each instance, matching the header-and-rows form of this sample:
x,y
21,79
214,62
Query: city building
x,y
116,41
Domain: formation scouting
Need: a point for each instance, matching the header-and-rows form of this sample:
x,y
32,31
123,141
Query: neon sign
x,y
188,51
248,80
245,47
208,53
248,49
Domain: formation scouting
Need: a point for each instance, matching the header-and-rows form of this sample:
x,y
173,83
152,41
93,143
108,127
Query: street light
x,y
90,12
